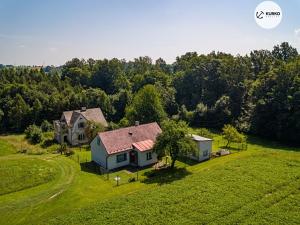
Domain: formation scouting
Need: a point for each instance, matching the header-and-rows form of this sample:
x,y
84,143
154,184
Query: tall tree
x,y
174,141
18,113
146,106
284,52
36,108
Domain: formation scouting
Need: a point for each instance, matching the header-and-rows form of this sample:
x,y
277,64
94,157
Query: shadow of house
x,y
90,167
165,176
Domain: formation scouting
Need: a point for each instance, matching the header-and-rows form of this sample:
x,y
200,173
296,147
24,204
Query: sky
x,y
51,32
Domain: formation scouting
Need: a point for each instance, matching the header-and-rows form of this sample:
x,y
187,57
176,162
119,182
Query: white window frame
x,y
81,137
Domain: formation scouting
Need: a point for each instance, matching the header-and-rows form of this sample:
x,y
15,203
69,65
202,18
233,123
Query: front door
x,y
133,158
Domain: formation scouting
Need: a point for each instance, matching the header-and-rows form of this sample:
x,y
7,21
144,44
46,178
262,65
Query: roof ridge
x,y
123,128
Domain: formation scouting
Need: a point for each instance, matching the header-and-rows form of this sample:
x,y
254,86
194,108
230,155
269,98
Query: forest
x,y
258,93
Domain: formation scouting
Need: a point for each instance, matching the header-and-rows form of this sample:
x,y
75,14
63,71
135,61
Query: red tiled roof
x,y
122,139
143,145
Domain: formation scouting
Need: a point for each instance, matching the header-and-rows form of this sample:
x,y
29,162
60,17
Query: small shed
x,y
204,148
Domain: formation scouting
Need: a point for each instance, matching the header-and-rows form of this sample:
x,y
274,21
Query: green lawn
x,y
6,148
260,188
19,174
257,186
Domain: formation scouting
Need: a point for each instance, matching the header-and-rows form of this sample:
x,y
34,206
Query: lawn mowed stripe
x,y
16,207
17,174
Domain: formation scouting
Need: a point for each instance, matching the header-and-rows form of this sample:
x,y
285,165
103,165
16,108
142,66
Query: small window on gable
x,y
149,155
81,125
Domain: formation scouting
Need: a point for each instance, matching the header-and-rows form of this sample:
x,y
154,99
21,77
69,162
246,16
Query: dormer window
x,y
81,125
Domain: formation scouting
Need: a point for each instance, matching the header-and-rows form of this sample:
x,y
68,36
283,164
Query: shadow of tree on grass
x,y
276,145
165,175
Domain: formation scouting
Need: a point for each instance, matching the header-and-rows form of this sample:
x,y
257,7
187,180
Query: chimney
x,y
83,109
137,123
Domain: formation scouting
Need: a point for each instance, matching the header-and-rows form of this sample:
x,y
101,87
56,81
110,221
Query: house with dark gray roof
x,y
71,127
126,146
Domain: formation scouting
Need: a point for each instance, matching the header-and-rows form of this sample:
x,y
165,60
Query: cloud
x,y
21,46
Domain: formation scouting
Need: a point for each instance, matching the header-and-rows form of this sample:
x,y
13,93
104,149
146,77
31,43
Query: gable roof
x,y
123,139
93,114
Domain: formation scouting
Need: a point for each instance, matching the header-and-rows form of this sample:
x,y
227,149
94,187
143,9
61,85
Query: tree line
x,y
258,93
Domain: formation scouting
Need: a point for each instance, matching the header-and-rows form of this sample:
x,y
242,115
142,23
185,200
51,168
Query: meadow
x,y
259,185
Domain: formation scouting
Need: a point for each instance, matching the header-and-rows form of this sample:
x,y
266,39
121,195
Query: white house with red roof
x,y
126,146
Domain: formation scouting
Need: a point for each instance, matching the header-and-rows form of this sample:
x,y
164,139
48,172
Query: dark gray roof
x,y
93,114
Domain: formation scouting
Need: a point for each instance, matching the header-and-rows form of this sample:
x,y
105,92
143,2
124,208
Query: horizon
x,y
51,33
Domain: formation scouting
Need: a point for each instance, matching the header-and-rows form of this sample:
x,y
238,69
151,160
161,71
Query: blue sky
x,y
40,32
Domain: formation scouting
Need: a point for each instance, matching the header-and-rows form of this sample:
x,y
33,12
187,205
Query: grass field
x,y
257,186
30,171
6,148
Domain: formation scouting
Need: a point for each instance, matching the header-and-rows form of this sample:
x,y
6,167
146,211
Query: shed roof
x,y
143,145
200,138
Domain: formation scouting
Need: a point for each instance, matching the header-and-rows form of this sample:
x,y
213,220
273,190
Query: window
x,y
149,155
81,137
205,153
121,157
81,125
98,141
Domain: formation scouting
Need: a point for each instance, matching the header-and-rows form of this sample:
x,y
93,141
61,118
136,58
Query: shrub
x,y
231,134
204,133
131,179
113,126
34,134
46,126
70,152
63,148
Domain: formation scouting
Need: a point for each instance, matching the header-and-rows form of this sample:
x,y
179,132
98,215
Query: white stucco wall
x,y
100,156
76,131
112,161
142,158
204,146
98,152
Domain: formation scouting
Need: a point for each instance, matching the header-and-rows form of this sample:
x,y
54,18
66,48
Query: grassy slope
x,y
19,174
6,148
257,187
223,189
